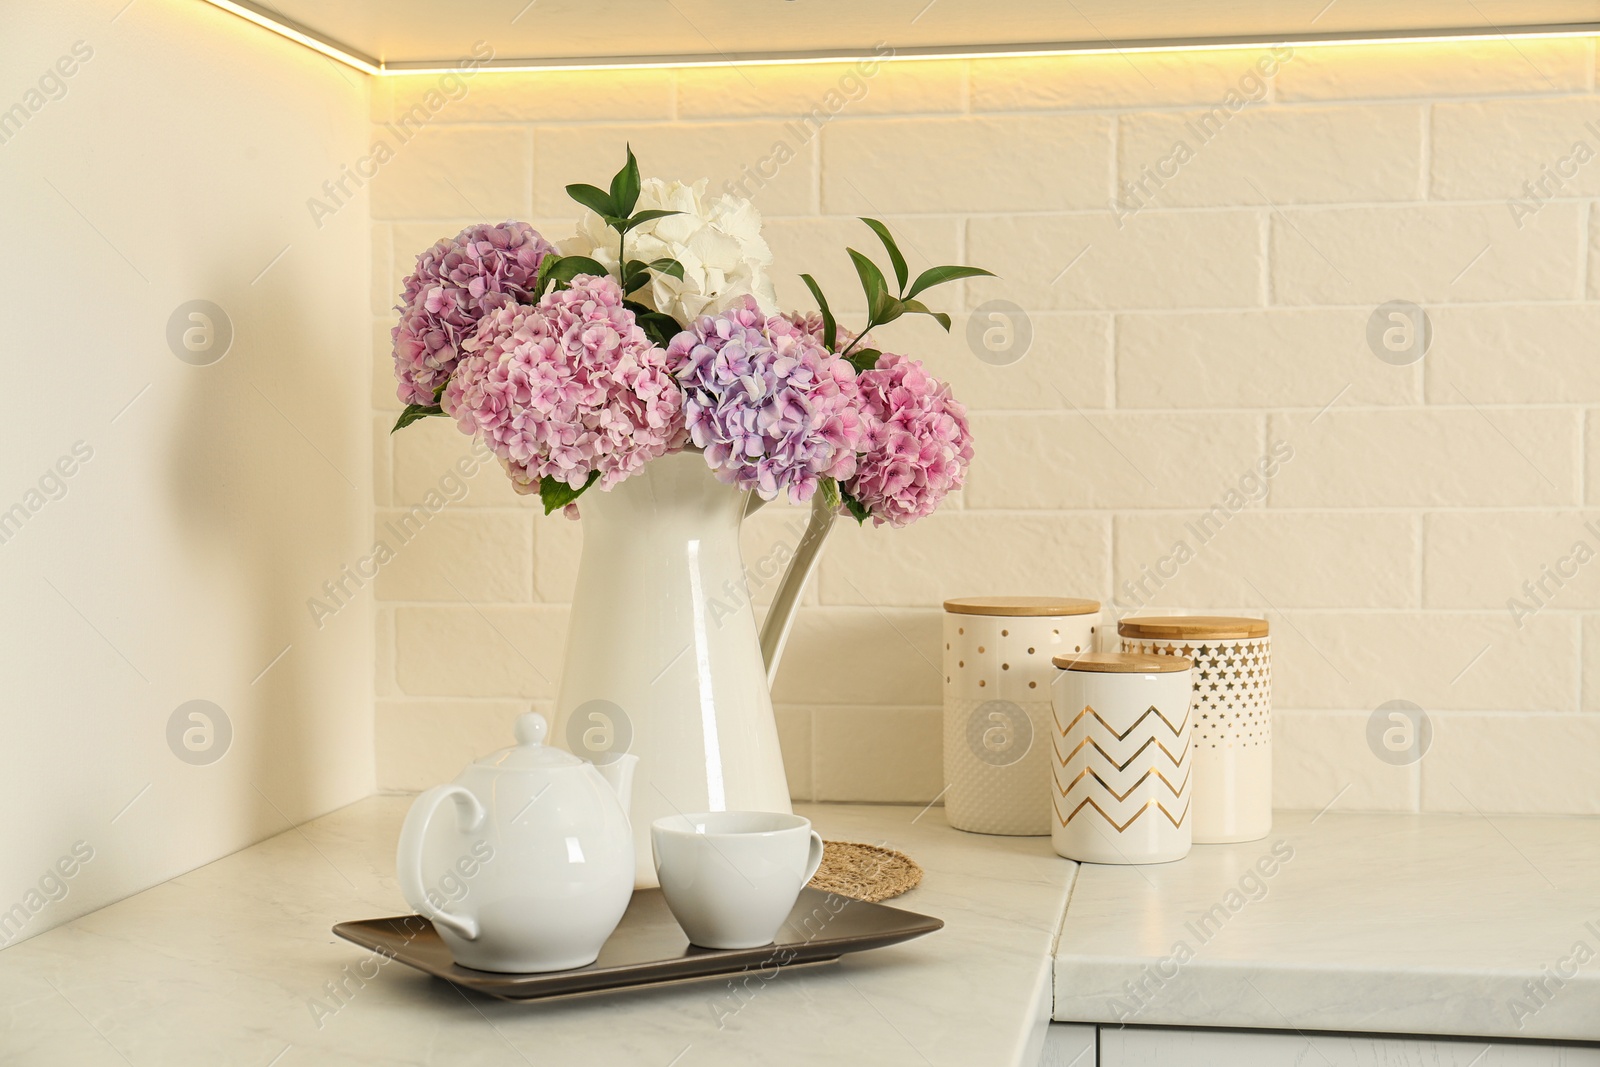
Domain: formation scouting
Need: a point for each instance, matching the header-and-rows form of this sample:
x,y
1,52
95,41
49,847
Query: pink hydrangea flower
x,y
457,282
569,387
918,445
773,409
810,323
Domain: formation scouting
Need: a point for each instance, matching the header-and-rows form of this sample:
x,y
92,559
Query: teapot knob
x,y
531,728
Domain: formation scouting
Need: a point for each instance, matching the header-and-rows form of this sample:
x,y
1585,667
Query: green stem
x,y
871,324
859,337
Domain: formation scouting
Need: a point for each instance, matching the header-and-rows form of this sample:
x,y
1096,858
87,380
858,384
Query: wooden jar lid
x,y
1203,627
1021,606
1122,663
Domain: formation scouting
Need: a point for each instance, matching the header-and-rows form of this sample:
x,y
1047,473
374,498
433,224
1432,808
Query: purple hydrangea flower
x,y
457,282
773,409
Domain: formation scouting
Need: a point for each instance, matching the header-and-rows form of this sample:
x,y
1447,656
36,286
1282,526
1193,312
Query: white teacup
x,y
732,877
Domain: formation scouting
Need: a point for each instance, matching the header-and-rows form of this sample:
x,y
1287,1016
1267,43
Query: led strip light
x,y
267,19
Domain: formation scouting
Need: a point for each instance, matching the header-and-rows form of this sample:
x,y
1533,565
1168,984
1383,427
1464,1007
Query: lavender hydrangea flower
x,y
773,409
456,283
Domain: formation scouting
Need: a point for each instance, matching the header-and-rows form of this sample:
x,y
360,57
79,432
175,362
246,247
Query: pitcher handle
x,y
408,861
780,617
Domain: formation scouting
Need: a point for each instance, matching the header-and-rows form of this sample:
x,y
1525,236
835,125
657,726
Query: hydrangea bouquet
x,y
655,329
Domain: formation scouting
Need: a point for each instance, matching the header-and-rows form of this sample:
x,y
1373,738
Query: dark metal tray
x,y
648,948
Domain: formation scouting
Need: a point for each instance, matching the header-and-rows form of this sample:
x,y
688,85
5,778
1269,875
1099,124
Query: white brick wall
x,y
1172,347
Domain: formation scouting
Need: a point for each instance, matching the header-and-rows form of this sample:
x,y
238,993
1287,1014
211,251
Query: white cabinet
x,y
1070,1045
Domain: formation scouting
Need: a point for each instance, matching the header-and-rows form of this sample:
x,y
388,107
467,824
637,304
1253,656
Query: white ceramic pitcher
x,y
660,663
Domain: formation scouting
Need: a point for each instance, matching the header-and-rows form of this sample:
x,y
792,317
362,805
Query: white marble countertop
x,y
229,964
1421,924
1430,924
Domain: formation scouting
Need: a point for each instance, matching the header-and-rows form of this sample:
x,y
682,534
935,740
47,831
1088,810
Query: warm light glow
x,y
990,52
298,36
379,68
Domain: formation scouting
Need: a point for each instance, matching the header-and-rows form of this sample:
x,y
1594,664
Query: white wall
x,y
1227,309
174,164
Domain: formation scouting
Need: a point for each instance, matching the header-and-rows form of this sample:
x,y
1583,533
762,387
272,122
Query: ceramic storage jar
x,y
997,675
1233,716
1122,758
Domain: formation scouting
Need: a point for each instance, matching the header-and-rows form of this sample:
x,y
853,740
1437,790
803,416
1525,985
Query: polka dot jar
x,y
1232,716
997,675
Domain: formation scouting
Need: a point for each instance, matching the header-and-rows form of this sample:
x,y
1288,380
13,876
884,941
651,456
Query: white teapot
x,y
536,868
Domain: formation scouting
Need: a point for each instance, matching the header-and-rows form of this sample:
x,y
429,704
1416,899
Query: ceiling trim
x,y
262,16
268,19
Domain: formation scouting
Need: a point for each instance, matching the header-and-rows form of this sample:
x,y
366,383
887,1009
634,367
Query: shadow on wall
x,y
250,492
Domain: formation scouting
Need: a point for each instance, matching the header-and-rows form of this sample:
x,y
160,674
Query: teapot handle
x,y
408,858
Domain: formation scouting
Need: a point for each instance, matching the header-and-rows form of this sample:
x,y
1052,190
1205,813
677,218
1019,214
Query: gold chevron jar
x,y
1233,716
1120,758
997,671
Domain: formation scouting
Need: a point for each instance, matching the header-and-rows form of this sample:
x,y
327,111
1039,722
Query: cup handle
x,y
813,858
408,858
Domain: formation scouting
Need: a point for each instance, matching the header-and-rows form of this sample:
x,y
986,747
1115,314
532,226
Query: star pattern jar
x,y
1233,716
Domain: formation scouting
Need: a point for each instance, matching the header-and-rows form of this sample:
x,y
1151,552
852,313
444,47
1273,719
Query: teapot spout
x,y
780,617
618,774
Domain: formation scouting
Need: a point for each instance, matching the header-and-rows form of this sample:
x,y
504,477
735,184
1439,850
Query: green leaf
x,y
939,275
546,266
625,185
572,266
829,488
554,494
864,359
660,327
855,507
885,308
899,261
917,307
670,267
872,282
597,200
646,216
830,328
413,412
635,275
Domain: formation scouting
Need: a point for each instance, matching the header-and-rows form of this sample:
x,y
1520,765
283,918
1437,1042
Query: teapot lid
x,y
530,752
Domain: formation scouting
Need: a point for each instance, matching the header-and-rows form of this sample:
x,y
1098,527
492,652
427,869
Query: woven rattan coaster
x,y
865,872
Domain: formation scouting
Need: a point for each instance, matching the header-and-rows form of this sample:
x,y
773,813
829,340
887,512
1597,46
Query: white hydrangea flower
x,y
718,241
